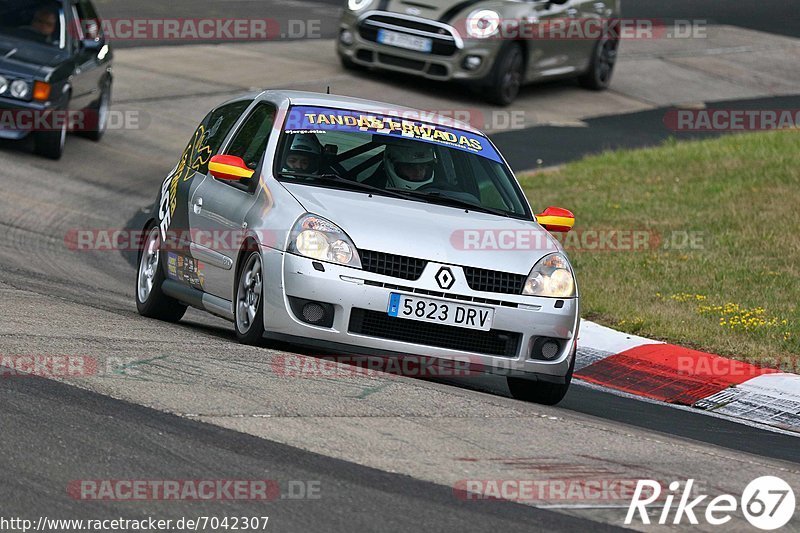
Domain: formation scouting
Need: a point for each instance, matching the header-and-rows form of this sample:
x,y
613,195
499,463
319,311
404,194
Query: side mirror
x,y
229,168
556,219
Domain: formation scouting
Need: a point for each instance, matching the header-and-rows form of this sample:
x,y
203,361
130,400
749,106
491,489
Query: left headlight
x,y
317,238
482,23
357,5
552,276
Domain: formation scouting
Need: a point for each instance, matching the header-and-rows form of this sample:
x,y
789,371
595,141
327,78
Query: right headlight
x,y
552,276
357,5
482,23
3,85
20,89
317,238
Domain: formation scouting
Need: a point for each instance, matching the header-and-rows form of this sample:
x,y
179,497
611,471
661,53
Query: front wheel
x,y
150,300
601,67
542,392
50,143
249,309
98,114
509,73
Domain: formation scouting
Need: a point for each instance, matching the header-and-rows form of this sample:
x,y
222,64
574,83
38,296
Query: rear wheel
x,y
249,308
542,392
508,76
601,67
150,300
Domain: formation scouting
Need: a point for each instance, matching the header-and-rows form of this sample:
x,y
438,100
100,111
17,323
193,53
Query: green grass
x,y
738,294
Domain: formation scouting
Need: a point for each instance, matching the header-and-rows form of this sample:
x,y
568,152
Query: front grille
x,y
482,280
396,266
443,43
381,325
402,62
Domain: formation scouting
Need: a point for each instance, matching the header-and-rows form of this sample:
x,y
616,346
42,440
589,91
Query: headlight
x,y
482,23
317,238
20,89
552,276
357,5
3,85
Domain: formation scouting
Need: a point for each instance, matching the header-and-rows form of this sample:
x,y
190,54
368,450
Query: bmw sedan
x,y
354,225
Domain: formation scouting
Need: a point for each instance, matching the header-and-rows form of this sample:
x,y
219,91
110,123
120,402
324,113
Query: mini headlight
x,y
552,276
357,5
317,238
20,89
3,85
483,23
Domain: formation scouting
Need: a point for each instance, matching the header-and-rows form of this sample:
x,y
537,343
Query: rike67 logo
x,y
768,503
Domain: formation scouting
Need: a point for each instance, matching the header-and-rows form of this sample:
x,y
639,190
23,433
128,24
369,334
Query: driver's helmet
x,y
409,166
303,155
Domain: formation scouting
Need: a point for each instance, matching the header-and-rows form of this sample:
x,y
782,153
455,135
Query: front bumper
x,y
353,292
7,121
431,66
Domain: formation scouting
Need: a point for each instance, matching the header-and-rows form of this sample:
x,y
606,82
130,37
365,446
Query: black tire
x,y
249,329
508,75
542,392
97,114
349,64
50,144
156,304
601,67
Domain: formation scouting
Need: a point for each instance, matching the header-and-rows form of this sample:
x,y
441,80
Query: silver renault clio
x,y
359,226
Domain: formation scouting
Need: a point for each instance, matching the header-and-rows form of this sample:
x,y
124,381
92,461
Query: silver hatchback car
x,y
493,45
359,226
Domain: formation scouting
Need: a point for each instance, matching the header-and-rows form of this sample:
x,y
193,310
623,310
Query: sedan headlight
x,y
317,238
483,23
3,85
20,89
552,276
357,5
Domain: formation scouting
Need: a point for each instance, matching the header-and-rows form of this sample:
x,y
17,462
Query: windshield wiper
x,y
335,178
439,198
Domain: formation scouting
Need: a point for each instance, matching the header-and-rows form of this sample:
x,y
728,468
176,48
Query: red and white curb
x,y
672,374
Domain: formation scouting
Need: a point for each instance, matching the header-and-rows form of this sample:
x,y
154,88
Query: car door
x,y
552,48
87,71
219,207
179,187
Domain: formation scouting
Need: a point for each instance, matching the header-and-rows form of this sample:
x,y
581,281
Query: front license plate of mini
x,y
401,40
440,312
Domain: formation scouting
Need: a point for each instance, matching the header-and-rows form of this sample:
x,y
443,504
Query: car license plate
x,y
401,40
440,312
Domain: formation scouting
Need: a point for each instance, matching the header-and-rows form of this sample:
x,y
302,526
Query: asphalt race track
x,y
186,402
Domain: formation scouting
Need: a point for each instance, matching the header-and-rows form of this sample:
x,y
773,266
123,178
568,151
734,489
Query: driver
x,y
44,22
303,155
408,166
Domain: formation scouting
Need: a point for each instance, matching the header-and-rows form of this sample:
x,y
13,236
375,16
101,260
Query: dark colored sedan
x,y
55,72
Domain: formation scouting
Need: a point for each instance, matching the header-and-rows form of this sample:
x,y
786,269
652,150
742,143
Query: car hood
x,y
428,231
447,11
24,58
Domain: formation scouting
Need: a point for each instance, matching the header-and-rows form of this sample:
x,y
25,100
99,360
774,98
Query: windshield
x,y
399,157
38,21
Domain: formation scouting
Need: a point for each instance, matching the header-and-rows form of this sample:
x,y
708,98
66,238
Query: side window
x,y
250,141
89,21
219,122
207,139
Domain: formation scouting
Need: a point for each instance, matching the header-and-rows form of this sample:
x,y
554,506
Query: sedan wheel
x,y
150,300
509,75
249,308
